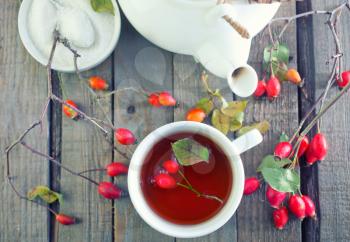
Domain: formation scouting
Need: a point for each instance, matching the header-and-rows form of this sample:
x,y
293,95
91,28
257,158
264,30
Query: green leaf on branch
x,y
283,180
271,162
102,6
279,53
263,127
236,122
234,107
280,70
189,152
44,193
205,104
220,121
284,137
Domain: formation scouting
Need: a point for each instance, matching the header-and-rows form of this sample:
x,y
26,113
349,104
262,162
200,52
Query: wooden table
x,y
136,62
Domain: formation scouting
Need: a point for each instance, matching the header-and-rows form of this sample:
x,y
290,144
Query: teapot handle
x,y
247,141
228,13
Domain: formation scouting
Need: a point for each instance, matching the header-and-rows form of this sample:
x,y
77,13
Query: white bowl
x,y
231,150
42,59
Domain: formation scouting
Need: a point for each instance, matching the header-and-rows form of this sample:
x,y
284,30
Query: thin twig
x,y
57,163
92,170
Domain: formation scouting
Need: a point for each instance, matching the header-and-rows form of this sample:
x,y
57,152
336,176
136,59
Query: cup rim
x,y
178,230
38,56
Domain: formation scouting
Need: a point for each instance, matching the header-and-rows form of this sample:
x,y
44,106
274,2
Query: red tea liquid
x,y
179,205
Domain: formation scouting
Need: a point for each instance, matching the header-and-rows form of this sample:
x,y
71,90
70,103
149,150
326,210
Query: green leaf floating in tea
x,y
189,152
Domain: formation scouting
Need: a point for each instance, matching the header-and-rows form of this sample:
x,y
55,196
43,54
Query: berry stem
x,y
190,187
91,170
322,112
183,176
200,194
116,92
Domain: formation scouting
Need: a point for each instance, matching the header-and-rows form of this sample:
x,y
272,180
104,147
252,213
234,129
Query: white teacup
x,y
232,150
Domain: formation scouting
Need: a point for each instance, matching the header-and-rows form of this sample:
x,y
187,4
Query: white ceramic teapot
x,y
196,27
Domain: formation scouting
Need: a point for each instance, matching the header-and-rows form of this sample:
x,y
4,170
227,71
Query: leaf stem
x,y
212,197
183,176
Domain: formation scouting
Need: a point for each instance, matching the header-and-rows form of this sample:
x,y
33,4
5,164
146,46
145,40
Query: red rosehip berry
x,y
165,181
283,149
275,197
304,145
280,217
195,115
297,206
260,89
317,150
116,168
98,83
165,99
153,99
251,184
310,209
69,112
125,136
65,219
345,79
273,87
109,190
171,166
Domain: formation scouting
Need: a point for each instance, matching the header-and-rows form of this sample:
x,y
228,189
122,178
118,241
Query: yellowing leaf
x,y
205,104
237,122
45,194
189,152
102,6
263,127
220,121
234,107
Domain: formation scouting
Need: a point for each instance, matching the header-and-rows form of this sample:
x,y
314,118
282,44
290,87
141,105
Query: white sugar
x,y
89,32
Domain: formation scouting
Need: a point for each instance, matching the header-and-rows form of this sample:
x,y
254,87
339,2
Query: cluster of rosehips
x,y
107,190
159,99
315,150
300,205
163,179
272,87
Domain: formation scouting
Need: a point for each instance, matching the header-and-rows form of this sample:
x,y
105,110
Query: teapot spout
x,y
227,60
242,80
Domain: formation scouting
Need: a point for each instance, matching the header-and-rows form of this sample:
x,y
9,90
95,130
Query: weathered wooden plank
x,y
138,64
306,67
333,173
188,89
84,147
22,95
255,214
